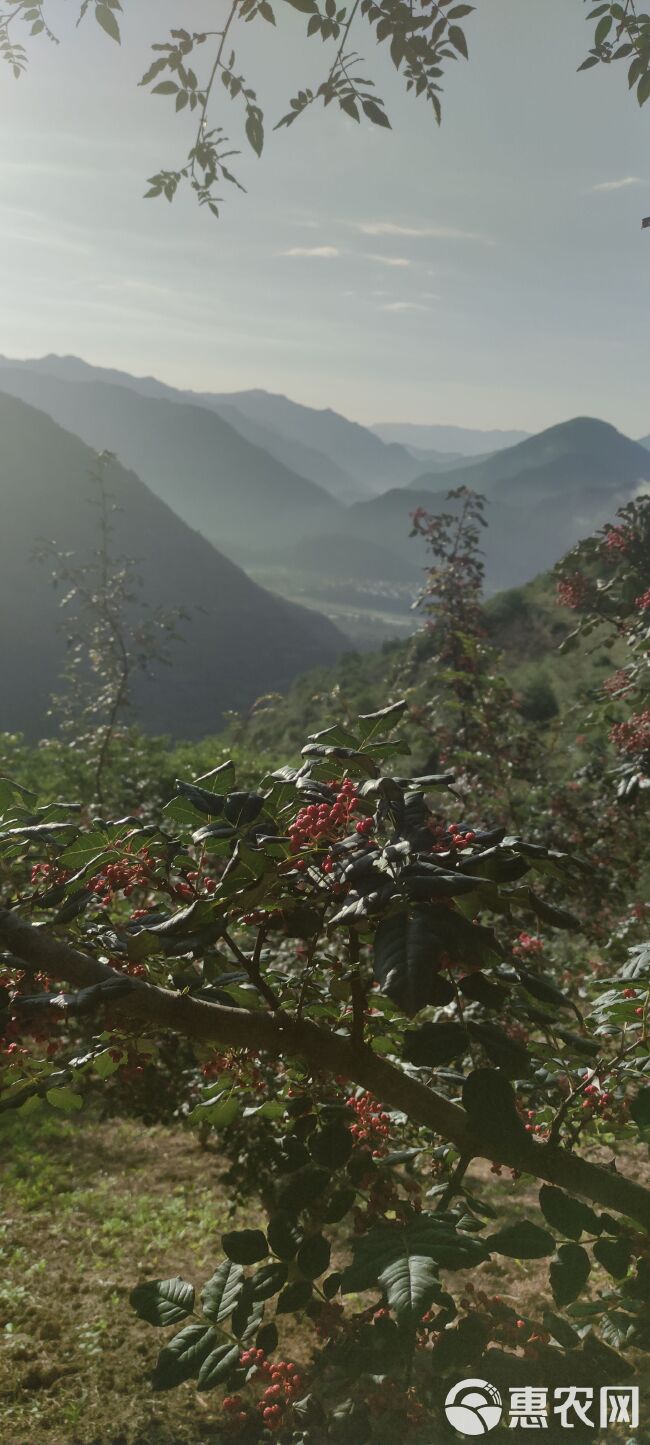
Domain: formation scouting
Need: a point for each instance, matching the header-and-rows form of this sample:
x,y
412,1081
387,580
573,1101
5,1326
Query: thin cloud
x,y
436,233
618,185
398,306
388,260
324,253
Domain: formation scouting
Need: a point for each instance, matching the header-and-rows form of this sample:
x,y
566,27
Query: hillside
x,y
237,643
583,452
217,481
526,626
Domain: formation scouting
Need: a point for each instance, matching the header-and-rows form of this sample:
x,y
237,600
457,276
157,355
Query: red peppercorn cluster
x,y
285,1385
49,873
328,1321
449,836
373,1123
242,1069
572,591
202,884
596,1099
632,736
617,539
528,944
321,824
643,602
235,1409
122,877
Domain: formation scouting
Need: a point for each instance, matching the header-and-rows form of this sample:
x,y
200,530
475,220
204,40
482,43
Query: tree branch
x,y
281,1036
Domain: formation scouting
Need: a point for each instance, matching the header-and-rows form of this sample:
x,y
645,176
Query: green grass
x,y
89,1208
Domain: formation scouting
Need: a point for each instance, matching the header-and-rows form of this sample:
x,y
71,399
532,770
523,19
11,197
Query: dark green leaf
x,y
566,1214
331,1146
182,1358
163,1301
106,18
245,1246
218,1366
523,1240
615,1256
268,1281
313,1257
295,1297
284,1236
222,1291
569,1273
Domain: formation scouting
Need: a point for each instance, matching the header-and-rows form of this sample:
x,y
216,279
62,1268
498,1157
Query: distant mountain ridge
x,y
236,466
237,643
583,453
348,460
215,479
468,441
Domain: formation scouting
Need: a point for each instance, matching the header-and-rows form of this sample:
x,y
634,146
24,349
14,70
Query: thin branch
x,y
280,1036
252,967
213,75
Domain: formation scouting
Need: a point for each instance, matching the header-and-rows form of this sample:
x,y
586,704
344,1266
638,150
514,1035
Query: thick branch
x,y
282,1036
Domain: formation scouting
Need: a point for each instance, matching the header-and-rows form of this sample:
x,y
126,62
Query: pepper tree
x,y
337,946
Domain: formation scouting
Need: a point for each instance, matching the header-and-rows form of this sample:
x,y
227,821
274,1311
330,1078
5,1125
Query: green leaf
x,y
400,1258
490,1102
182,1358
331,1146
640,1108
294,1298
566,1214
284,1236
561,1330
375,113
106,18
163,1301
268,1280
435,1043
569,1273
313,1257
218,1112
221,1293
248,1315
83,851
218,1366
255,131
456,37
548,913
615,1256
523,1240
166,87
643,89
65,1099
245,1246
306,7
602,29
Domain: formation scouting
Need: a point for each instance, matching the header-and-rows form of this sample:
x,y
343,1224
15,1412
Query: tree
x,y
423,39
112,637
338,947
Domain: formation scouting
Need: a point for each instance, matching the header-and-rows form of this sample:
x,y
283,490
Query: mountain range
x,y
236,641
316,507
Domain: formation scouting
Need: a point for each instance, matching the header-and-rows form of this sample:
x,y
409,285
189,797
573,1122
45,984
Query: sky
x,y
488,273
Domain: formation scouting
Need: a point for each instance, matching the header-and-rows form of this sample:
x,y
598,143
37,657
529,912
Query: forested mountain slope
x,y
238,641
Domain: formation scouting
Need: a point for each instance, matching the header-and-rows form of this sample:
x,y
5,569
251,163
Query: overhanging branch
x,y
281,1036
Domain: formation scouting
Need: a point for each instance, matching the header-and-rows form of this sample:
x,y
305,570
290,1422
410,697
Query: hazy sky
x,y
490,273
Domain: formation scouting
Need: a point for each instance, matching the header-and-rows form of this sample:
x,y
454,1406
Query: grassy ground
x,y
89,1208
